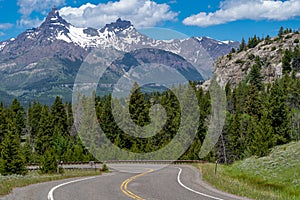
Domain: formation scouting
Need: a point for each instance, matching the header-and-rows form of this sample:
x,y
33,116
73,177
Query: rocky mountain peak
x,y
48,57
267,54
117,26
54,19
53,13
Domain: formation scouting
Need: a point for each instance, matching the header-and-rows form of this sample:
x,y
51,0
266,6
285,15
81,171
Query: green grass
x,y
275,177
8,183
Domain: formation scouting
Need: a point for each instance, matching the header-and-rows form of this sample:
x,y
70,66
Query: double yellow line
x,y
124,189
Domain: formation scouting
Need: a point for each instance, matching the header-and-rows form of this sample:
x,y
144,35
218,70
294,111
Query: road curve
x,y
149,182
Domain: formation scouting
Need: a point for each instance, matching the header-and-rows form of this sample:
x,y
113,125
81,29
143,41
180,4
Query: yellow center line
x,y
124,185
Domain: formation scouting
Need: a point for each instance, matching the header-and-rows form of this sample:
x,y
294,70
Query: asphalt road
x,y
131,181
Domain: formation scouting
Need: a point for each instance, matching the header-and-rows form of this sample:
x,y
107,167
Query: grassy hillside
x,y
276,176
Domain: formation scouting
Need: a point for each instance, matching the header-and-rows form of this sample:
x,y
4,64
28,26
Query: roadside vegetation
x,y
259,117
8,183
276,176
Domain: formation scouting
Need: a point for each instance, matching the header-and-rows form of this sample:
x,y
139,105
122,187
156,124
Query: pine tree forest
x,y
258,117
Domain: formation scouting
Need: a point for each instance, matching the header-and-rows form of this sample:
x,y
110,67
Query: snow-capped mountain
x,y
44,61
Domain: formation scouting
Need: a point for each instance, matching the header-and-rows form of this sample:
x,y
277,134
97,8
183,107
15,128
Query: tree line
x,y
39,134
258,117
255,40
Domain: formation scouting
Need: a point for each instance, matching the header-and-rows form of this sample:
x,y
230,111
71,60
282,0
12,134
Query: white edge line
x,y
206,195
50,194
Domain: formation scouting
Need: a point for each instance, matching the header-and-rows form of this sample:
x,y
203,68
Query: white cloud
x,y
4,26
27,7
142,13
172,2
233,10
29,22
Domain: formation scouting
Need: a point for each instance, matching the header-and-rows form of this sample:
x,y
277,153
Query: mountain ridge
x,y
42,61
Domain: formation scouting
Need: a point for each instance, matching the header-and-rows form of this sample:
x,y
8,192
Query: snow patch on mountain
x,y
62,36
56,35
228,41
2,45
79,37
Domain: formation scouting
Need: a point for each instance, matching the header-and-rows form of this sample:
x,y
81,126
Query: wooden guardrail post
x,y
216,166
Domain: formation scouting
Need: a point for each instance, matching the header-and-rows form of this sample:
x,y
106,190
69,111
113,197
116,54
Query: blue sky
x,y
223,20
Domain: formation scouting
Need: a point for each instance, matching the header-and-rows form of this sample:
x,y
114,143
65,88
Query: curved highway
x,y
149,182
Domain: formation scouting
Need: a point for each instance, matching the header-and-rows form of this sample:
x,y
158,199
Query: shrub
x,y
48,162
104,168
251,56
288,37
229,56
239,61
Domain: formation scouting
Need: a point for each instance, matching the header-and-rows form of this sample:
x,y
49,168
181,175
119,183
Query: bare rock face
x,y
234,67
43,62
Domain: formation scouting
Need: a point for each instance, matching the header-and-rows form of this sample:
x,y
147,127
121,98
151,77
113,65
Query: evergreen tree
x,y
236,139
243,45
253,42
59,116
18,114
33,118
279,114
27,152
138,106
79,152
49,161
233,50
61,144
253,105
12,160
268,40
296,60
263,138
281,32
44,138
3,123
255,77
286,61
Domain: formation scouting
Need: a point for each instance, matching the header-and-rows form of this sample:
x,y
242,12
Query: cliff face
x,y
234,67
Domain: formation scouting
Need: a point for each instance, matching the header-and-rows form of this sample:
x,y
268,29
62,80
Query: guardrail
x,y
98,164
153,161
